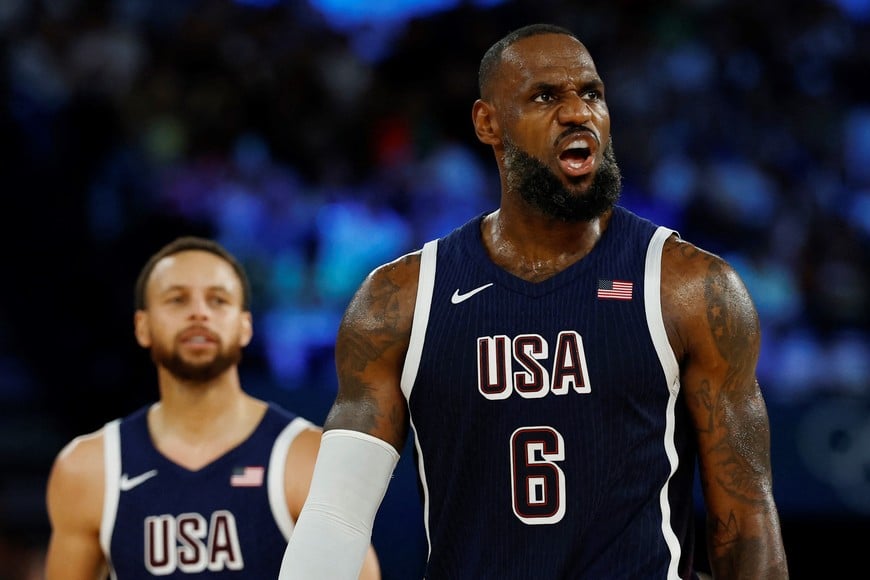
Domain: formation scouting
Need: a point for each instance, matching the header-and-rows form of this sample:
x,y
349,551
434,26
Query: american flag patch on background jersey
x,y
614,290
247,476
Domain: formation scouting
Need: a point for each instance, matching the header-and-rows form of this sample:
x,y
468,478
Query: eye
x,y
593,95
544,97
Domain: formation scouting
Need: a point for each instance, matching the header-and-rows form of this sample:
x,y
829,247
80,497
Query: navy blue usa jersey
x,y
227,520
551,440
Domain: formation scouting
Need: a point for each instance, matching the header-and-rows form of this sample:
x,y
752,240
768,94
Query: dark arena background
x,y
317,139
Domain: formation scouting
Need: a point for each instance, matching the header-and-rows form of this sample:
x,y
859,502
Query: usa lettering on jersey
x,y
506,365
190,543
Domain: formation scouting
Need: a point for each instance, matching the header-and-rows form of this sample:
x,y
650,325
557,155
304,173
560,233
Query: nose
x,y
199,308
574,110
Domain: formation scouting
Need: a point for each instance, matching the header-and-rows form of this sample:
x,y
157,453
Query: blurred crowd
x,y
319,139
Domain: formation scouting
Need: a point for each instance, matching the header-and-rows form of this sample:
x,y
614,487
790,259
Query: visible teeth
x,y
579,144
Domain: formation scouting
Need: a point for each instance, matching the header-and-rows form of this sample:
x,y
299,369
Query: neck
x,y
193,424
197,405
535,247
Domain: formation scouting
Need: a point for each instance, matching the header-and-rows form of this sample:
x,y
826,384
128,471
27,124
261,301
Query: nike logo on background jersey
x,y
457,297
129,483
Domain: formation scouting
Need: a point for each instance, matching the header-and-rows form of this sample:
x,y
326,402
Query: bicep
x,y
74,502
73,556
722,394
370,351
301,458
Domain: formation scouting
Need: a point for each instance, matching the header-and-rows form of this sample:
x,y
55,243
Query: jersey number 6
x,y
538,483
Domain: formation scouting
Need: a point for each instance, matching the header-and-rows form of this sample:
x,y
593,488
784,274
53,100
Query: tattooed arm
x,y
364,431
370,352
713,327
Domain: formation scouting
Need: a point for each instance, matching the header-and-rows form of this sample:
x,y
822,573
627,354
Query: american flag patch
x,y
614,290
247,477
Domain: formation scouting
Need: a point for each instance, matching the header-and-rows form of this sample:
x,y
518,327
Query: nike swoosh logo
x,y
129,483
457,297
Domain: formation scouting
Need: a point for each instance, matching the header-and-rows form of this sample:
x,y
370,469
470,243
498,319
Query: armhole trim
x,y
422,307
653,306
112,489
277,469
671,369
422,310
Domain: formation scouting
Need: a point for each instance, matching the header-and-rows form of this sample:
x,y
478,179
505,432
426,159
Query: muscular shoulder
x,y
385,300
76,478
704,300
81,458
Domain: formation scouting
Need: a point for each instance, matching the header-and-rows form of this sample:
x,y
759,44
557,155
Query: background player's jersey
x,y
551,440
227,520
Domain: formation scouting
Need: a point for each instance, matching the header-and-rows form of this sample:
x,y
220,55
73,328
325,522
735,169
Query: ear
x,y
485,124
142,329
247,331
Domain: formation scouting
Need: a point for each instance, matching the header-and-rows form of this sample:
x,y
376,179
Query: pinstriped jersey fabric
x,y
226,520
550,438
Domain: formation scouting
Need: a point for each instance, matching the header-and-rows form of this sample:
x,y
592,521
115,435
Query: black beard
x,y
543,190
196,373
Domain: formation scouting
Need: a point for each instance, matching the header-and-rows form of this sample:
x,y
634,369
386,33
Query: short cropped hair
x,y
492,58
184,244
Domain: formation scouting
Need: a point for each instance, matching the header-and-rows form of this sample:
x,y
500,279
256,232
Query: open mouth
x,y
197,337
578,154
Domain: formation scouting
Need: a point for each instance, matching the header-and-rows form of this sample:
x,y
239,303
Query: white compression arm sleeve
x,y
334,530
